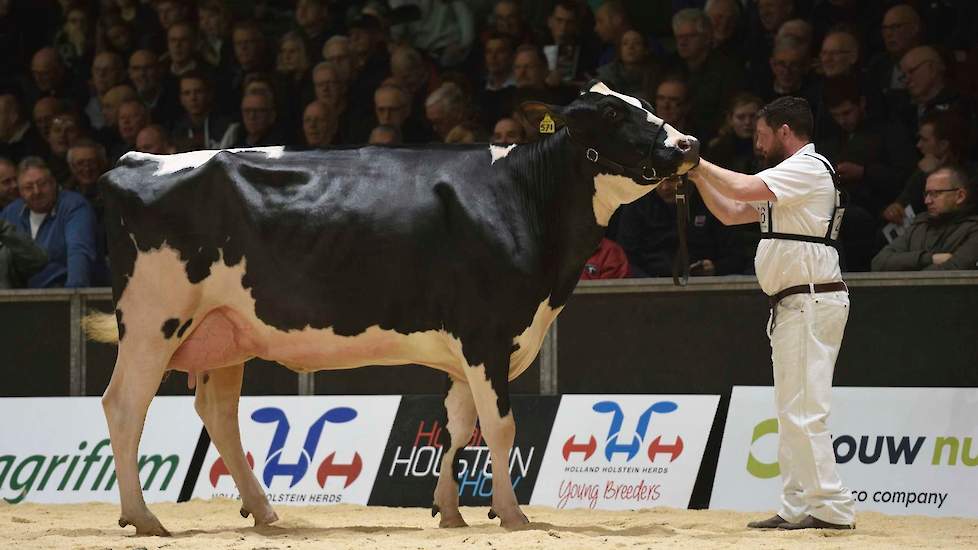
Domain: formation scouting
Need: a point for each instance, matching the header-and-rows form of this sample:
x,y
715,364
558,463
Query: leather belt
x,y
800,289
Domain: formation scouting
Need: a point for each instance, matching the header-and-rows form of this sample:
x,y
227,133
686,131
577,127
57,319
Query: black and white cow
x,y
457,258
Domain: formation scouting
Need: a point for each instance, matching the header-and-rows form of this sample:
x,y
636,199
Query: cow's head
x,y
621,134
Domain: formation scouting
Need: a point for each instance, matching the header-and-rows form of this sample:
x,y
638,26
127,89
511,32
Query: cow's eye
x,y
610,113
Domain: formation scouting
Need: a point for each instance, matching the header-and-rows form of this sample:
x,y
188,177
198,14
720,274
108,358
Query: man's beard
x,y
776,155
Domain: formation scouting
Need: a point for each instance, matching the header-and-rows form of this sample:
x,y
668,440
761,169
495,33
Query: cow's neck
x,y
560,187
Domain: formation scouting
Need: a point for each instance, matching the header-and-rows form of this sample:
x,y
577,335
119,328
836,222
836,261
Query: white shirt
x,y
36,221
805,199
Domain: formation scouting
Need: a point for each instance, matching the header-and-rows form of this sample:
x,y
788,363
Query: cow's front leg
x,y
134,382
461,422
499,431
218,392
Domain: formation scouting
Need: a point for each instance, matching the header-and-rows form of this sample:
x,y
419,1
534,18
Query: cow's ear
x,y
540,117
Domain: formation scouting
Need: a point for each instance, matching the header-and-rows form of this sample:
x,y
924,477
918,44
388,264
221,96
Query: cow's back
x,y
342,239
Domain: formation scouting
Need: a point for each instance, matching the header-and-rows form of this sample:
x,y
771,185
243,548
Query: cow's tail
x,y
101,327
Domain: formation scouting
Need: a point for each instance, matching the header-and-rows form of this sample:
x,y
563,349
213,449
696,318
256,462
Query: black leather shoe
x,y
811,522
769,523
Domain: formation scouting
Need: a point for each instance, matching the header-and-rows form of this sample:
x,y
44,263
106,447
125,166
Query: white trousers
x,y
805,341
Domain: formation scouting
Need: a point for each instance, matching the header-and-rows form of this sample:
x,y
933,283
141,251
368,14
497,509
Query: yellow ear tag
x,y
547,125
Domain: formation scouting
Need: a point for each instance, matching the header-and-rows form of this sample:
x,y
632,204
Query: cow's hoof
x,y
148,527
244,512
492,514
516,520
434,510
452,522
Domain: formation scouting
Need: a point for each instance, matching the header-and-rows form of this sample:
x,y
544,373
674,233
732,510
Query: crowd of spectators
x,y
892,85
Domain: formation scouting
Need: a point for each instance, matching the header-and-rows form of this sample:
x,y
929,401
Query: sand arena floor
x,y
216,524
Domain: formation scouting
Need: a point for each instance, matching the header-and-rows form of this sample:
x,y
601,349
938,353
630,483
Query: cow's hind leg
x,y
137,375
499,431
461,421
218,392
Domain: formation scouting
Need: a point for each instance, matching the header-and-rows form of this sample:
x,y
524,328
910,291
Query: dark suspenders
x,y
835,222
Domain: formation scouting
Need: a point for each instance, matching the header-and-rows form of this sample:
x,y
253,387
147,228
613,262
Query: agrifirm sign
x,y
898,450
56,450
624,451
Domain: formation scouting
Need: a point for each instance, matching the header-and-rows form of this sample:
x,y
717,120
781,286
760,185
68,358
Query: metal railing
x,y
79,300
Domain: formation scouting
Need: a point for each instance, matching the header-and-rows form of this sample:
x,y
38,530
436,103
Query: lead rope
x,y
680,263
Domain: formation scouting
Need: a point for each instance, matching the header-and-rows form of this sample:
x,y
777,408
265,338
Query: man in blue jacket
x,y
60,222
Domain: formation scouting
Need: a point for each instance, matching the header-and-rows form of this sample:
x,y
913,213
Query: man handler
x,y
800,211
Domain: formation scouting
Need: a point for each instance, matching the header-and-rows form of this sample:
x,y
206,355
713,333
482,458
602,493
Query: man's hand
x,y
850,171
928,164
939,258
894,213
704,268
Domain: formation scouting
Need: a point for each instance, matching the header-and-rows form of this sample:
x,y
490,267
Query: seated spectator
x,y
445,31
258,127
634,68
87,160
608,262
331,89
8,182
840,53
927,89
647,231
569,56
312,17
873,157
133,116
154,139
181,50
198,126
108,135
293,61
610,23
66,128
733,148
508,132
713,79
765,19
392,107
18,138
942,139
412,73
371,60
319,128
50,79
385,135
20,258
943,238
108,71
118,36
215,32
75,41
445,109
250,56
60,222
790,65
726,18
499,62
671,100
146,76
336,52
507,19
530,73
44,112
902,30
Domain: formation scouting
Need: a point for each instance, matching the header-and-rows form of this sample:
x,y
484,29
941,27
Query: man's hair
x,y
789,42
531,48
496,35
791,111
960,177
448,94
841,89
8,162
952,127
567,5
31,162
694,16
249,25
197,74
86,143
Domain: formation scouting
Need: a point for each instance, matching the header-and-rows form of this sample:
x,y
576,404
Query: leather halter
x,y
641,173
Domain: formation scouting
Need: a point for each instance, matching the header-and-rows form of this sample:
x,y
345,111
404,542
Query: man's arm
x,y
27,258
80,244
897,256
730,210
965,256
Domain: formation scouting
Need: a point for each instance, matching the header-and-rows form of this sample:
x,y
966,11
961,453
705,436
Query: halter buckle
x,y
645,175
591,154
